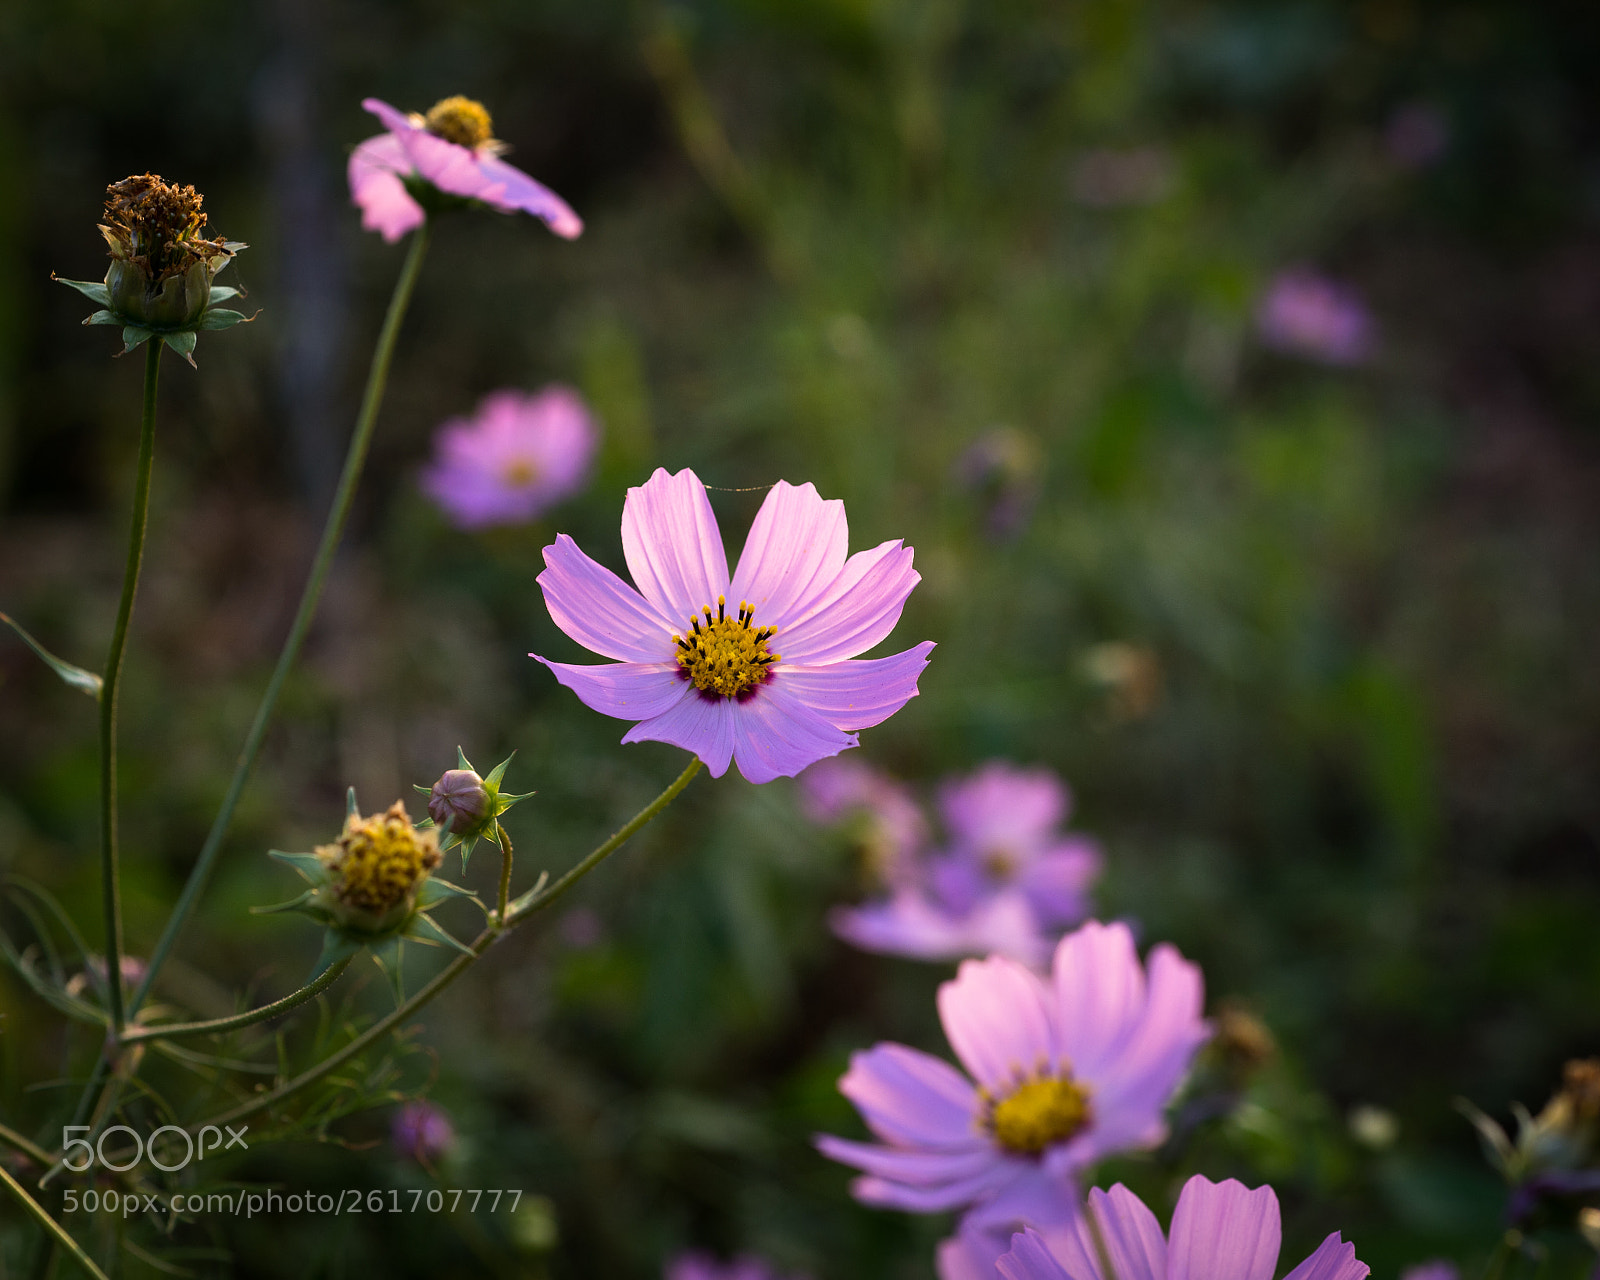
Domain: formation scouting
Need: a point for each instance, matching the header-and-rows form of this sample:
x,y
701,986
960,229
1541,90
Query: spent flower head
x,y
159,284
372,887
447,158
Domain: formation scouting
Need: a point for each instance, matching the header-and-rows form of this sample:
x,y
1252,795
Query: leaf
x,y
222,292
306,864
182,343
499,771
222,318
426,931
434,891
77,677
94,290
294,904
134,335
522,901
350,810
390,955
461,757
336,946
102,317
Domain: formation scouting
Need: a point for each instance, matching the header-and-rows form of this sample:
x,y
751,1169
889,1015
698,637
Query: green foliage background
x,y
843,241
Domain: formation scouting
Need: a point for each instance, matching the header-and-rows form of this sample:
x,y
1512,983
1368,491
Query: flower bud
x,y
161,267
376,867
461,799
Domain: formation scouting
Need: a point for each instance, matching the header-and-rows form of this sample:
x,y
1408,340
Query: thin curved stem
x,y
459,965
333,530
504,841
110,879
214,1026
37,1212
21,1143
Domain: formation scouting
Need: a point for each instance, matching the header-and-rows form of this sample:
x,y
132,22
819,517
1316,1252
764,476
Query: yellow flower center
x,y
1001,864
519,473
1038,1113
459,120
725,657
378,861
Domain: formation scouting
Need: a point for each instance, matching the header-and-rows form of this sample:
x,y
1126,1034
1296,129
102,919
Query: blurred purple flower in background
x,y
695,1265
519,455
1068,1071
1437,1269
422,1132
1309,315
450,148
1007,881
1220,1231
890,826
770,681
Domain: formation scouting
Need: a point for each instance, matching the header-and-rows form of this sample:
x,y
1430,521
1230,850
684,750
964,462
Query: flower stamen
x,y
460,120
1039,1112
378,862
725,657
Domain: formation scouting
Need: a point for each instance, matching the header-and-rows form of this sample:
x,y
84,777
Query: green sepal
x,y
432,892
307,864
336,946
427,931
389,955
221,293
498,772
461,759
522,901
84,681
182,343
94,290
423,791
134,335
222,318
302,903
103,317
350,809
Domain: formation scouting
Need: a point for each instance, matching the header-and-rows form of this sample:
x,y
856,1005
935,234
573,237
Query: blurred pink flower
x,y
1309,315
520,454
380,168
422,1132
1067,1071
771,681
1220,1231
893,829
1438,1269
1007,882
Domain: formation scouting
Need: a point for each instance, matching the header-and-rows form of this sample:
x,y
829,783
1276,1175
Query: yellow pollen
x,y
378,861
724,656
519,473
459,120
1038,1113
1001,864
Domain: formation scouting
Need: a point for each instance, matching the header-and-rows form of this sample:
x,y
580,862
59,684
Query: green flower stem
x,y
37,1212
504,841
175,1030
459,965
355,458
32,1150
111,890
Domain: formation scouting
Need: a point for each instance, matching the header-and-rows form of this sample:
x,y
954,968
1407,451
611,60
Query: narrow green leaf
x,y
94,290
434,891
424,930
294,904
306,864
102,317
350,810
336,946
182,343
77,677
461,758
133,336
390,955
522,901
222,318
421,791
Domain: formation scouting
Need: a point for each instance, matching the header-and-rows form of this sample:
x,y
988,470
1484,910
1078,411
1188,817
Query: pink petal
x,y
1152,1060
1057,880
889,1194
776,735
518,191
1030,1259
920,1169
394,120
911,1098
795,550
627,690
969,1255
601,611
1132,1235
1224,1231
375,187
1334,1259
1099,993
997,1016
856,611
857,693
1002,805
701,725
673,547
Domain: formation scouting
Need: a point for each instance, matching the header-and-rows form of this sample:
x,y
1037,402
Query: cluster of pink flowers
x,y
1006,880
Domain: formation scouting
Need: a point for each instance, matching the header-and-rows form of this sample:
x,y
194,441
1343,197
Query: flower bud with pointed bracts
x,y
460,800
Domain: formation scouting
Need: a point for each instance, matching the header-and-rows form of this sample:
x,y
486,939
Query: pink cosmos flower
x,y
891,826
450,148
1220,1231
1310,315
695,1265
1067,1071
1008,882
422,1132
769,681
519,455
